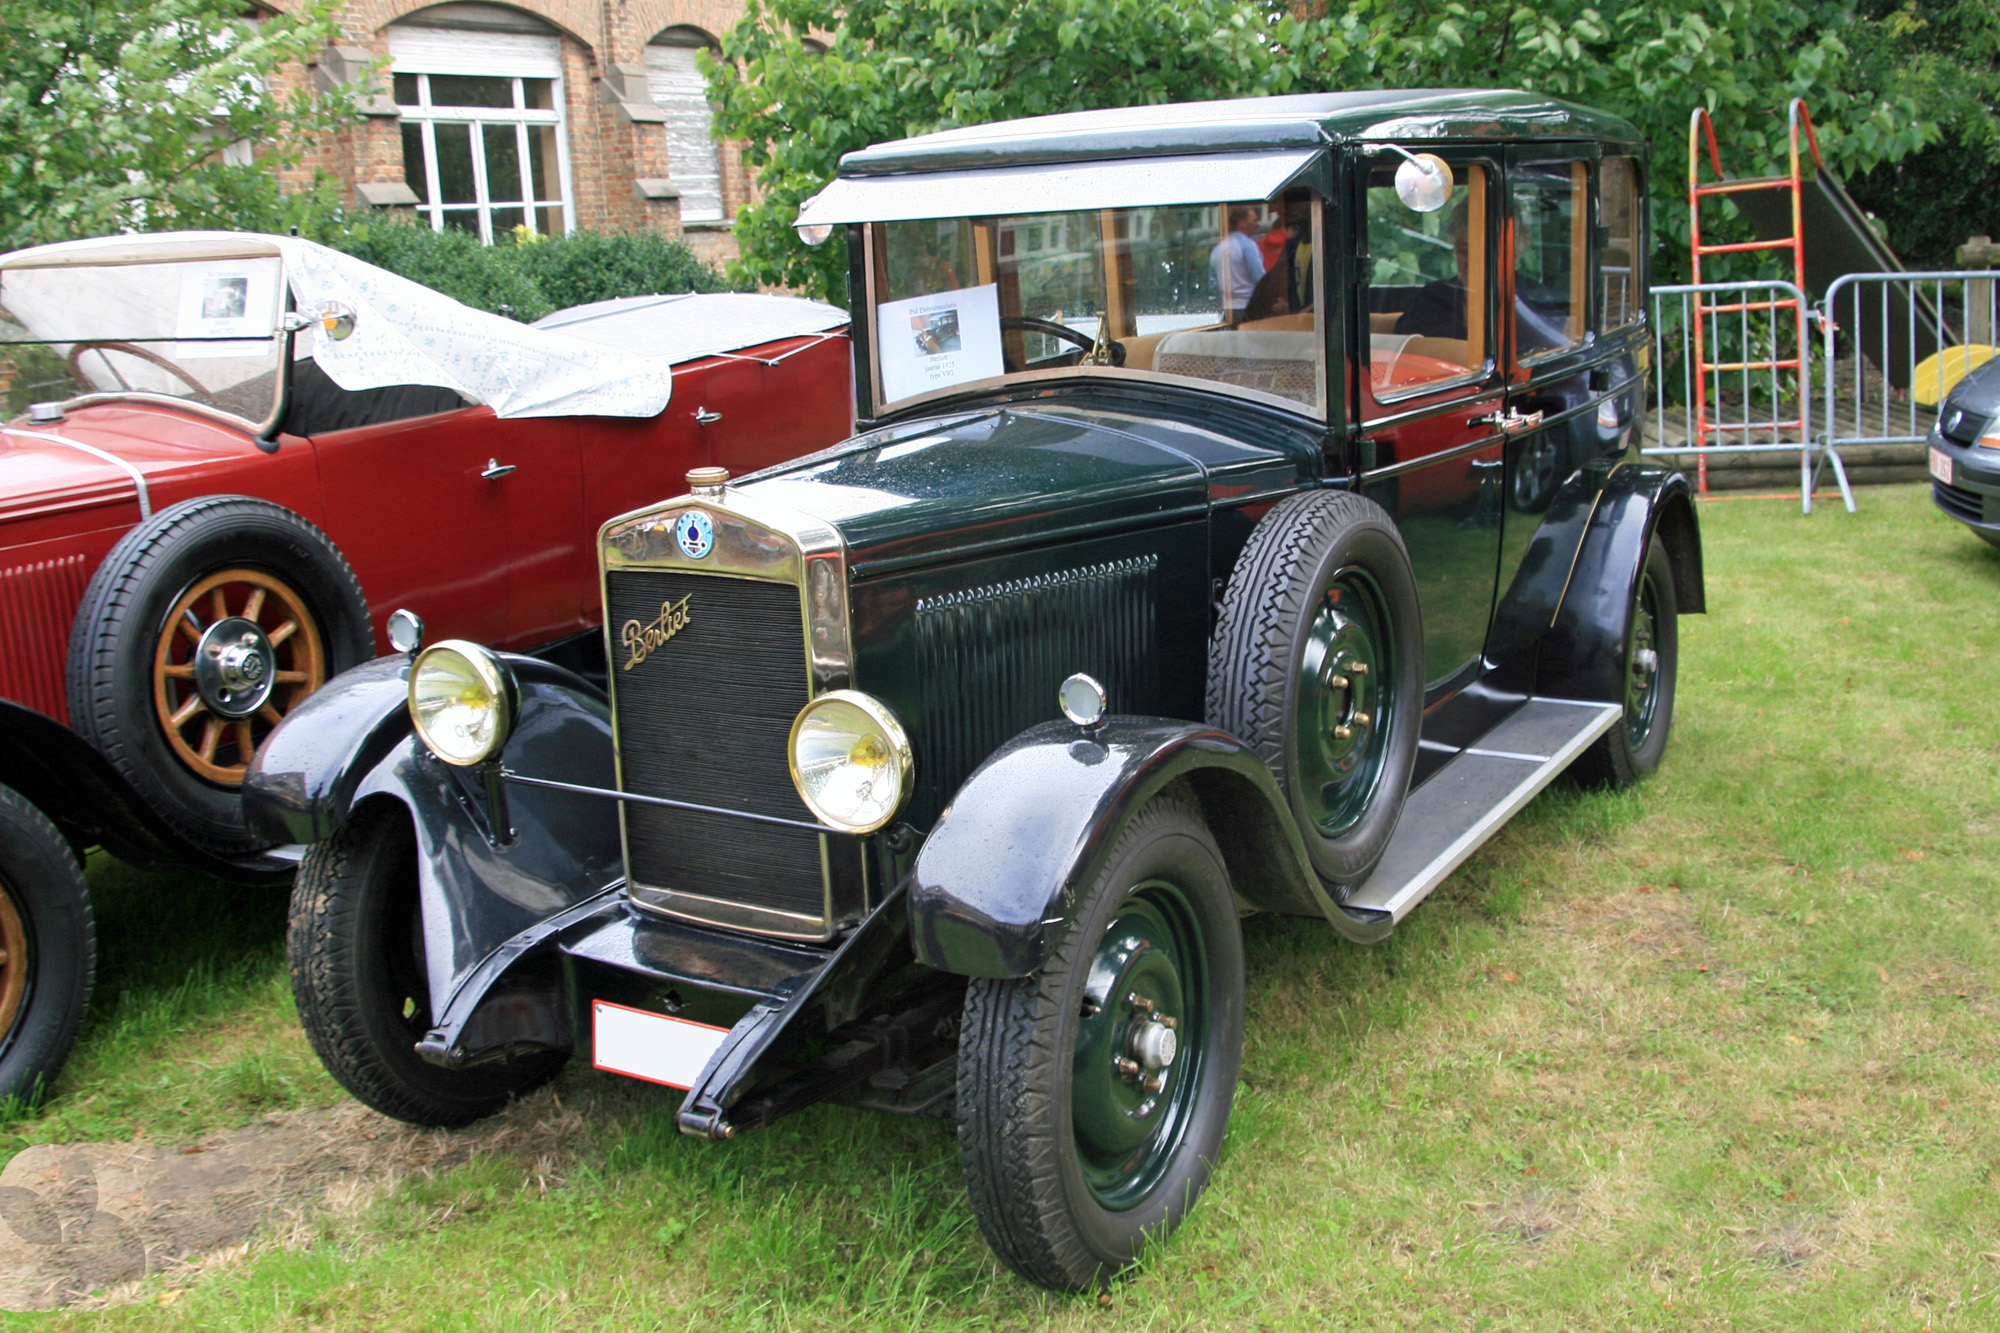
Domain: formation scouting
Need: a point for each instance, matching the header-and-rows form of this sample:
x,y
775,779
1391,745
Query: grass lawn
x,y
1716,1053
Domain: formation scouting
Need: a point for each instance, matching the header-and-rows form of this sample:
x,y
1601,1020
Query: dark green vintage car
x,y
1246,515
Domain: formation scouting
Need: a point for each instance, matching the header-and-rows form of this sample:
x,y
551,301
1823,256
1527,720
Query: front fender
x,y
1583,653
477,891
997,880
302,781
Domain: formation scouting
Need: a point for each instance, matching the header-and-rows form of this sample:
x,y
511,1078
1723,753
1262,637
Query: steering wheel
x,y
1063,331
144,354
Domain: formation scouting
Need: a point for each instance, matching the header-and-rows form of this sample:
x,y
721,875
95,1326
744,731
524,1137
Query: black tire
x,y
123,690
355,945
1634,747
49,939
1064,1201
1323,585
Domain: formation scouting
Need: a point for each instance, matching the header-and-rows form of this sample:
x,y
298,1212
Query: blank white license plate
x,y
1941,466
653,1047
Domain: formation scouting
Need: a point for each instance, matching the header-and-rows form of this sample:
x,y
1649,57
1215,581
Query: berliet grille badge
x,y
695,532
642,641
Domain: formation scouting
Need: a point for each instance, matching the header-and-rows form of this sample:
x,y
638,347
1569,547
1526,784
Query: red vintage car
x,y
229,457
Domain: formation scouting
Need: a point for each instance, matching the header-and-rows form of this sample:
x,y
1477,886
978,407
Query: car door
x,y
464,519
1430,394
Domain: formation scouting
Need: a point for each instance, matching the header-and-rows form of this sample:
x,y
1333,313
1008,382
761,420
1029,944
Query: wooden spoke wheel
x,y
202,629
239,650
16,959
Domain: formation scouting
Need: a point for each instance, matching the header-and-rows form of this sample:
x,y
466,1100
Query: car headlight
x,y
1990,437
851,761
462,699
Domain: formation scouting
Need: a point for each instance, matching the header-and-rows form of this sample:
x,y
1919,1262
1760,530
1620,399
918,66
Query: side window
x,y
1551,228
1428,282
1618,213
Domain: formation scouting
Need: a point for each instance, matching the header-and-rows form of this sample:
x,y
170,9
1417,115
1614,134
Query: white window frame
x,y
486,55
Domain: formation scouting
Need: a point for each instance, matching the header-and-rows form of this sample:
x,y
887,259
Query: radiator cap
x,y
708,481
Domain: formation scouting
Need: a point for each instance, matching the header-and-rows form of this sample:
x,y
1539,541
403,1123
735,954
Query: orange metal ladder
x,y
1700,127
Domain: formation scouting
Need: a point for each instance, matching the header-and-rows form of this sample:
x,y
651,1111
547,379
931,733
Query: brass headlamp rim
x,y
892,730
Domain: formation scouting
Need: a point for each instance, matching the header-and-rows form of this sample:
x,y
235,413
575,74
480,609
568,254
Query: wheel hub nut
x,y
1646,660
233,667
1153,1045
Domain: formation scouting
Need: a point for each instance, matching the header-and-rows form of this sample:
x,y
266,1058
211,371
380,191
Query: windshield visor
x,y
1213,296
204,332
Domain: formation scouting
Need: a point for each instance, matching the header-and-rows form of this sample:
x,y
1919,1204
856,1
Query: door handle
x,y
704,416
1510,422
495,469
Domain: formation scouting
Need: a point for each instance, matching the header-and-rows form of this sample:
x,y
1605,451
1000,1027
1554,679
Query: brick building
x,y
556,114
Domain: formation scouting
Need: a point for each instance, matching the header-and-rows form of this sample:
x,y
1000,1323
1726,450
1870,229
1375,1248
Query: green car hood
x,y
954,487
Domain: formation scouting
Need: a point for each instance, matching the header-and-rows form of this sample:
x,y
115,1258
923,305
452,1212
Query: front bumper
x,y
1972,494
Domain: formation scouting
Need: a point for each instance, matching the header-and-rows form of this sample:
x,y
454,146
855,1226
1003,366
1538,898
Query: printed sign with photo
x,y
227,299
933,342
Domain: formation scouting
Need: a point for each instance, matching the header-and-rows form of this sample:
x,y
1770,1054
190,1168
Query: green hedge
x,y
531,279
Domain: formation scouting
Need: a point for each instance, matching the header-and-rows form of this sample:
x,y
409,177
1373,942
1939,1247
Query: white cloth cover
x,y
405,333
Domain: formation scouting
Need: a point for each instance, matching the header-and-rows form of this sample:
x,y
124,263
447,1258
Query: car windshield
x,y
1215,294
201,331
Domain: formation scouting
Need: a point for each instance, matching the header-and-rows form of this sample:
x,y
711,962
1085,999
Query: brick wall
x,y
608,148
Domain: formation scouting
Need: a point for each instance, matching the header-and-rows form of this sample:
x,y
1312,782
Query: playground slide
x,y
1893,331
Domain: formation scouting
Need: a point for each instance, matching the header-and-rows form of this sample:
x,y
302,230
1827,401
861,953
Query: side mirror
x,y
335,317
1423,182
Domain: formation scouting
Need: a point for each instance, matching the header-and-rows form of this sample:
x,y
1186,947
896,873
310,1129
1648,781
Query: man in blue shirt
x,y
1236,263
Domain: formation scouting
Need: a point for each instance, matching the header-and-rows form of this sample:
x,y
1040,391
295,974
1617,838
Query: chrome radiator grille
x,y
706,717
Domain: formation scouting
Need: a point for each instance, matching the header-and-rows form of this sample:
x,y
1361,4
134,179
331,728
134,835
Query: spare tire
x,y
1317,663
204,626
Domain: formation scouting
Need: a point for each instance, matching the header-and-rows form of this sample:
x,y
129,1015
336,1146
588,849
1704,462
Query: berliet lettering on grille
x,y
641,641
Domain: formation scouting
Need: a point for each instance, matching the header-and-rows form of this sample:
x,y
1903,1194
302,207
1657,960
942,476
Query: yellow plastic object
x,y
1936,373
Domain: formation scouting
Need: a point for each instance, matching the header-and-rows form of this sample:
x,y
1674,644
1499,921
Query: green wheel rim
x,y
1147,994
1346,703
1642,666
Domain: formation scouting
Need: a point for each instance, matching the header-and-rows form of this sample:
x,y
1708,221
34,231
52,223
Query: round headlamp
x,y
851,761
462,699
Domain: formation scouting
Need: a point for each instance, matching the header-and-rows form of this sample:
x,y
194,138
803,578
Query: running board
x,y
1465,802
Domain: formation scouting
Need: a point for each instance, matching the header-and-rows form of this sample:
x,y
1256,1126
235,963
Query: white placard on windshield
x,y
933,342
236,298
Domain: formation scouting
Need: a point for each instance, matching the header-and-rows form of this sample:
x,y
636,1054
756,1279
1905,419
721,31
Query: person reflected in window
x,y
1236,264
1437,309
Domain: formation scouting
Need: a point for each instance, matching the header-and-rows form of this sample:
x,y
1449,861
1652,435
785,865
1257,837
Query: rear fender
x,y
1583,652
999,877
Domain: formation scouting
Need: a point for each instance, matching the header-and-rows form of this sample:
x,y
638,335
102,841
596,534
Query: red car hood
x,y
43,470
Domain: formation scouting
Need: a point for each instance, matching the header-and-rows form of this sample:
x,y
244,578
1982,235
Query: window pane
x,y
462,219
540,93
406,89
1619,205
1427,282
1549,226
1103,292
504,222
471,90
549,221
542,160
503,164
413,162
455,179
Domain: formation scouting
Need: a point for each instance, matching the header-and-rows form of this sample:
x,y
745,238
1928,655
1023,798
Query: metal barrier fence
x,y
1916,332
1889,345
1735,350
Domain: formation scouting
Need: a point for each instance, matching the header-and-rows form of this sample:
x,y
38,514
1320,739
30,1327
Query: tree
x,y
117,116
899,67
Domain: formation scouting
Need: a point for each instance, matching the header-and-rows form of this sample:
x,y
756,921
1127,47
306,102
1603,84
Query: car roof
x,y
1250,124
